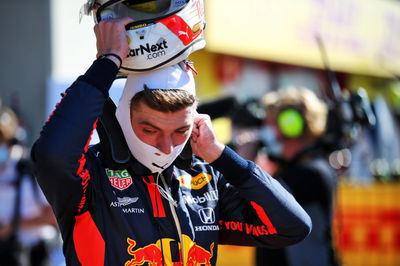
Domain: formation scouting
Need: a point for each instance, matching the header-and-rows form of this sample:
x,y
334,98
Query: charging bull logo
x,y
153,255
150,253
199,256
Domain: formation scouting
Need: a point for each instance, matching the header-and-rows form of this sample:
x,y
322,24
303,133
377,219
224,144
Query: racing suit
x,y
110,216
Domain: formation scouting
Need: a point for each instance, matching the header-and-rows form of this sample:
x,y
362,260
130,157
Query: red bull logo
x,y
199,256
150,253
153,254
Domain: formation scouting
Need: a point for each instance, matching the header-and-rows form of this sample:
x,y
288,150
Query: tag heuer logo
x,y
120,179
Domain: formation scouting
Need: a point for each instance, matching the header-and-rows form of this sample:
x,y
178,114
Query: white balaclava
x,y
171,77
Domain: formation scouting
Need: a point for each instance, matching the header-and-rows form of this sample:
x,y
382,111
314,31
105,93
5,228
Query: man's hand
x,y
111,37
203,140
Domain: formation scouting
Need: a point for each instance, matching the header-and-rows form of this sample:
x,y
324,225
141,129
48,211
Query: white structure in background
x,y
73,51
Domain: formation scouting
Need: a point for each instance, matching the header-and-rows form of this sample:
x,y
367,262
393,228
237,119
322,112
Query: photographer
x,y
26,219
295,120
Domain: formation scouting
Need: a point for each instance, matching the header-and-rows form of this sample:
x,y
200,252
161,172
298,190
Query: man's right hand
x,y
111,37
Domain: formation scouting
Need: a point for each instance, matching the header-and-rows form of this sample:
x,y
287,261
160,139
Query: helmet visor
x,y
139,10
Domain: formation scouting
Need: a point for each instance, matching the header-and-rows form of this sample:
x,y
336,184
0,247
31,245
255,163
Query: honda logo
x,y
207,215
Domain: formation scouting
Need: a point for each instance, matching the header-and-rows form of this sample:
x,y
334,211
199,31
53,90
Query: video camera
x,y
347,115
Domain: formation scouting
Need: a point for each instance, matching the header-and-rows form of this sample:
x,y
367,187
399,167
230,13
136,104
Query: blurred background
x,y
253,47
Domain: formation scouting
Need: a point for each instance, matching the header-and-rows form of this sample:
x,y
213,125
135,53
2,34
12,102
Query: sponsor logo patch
x,y
207,215
122,202
151,51
138,26
249,229
133,210
208,196
200,228
120,179
154,254
195,182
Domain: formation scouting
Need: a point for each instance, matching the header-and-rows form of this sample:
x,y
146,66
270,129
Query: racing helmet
x,y
164,32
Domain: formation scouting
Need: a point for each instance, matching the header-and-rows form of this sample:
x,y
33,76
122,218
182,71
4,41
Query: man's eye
x,y
181,131
145,130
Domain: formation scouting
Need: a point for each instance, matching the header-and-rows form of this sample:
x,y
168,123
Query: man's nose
x,y
165,144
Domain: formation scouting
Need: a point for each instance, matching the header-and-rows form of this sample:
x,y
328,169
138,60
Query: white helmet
x,y
164,32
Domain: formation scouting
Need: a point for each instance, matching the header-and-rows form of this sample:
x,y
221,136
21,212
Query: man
x,y
157,207
297,118
26,218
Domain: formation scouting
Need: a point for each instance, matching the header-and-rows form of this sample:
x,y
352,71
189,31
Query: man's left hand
x,y
203,140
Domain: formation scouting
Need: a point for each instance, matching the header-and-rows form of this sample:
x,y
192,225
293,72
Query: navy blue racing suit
x,y
110,216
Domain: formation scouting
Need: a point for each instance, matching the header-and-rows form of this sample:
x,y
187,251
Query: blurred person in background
x,y
26,219
295,121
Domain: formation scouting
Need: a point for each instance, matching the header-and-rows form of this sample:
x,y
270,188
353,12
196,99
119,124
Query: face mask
x,y
150,156
273,145
4,152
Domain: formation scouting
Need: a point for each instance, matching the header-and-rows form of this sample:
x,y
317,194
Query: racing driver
x,y
179,194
